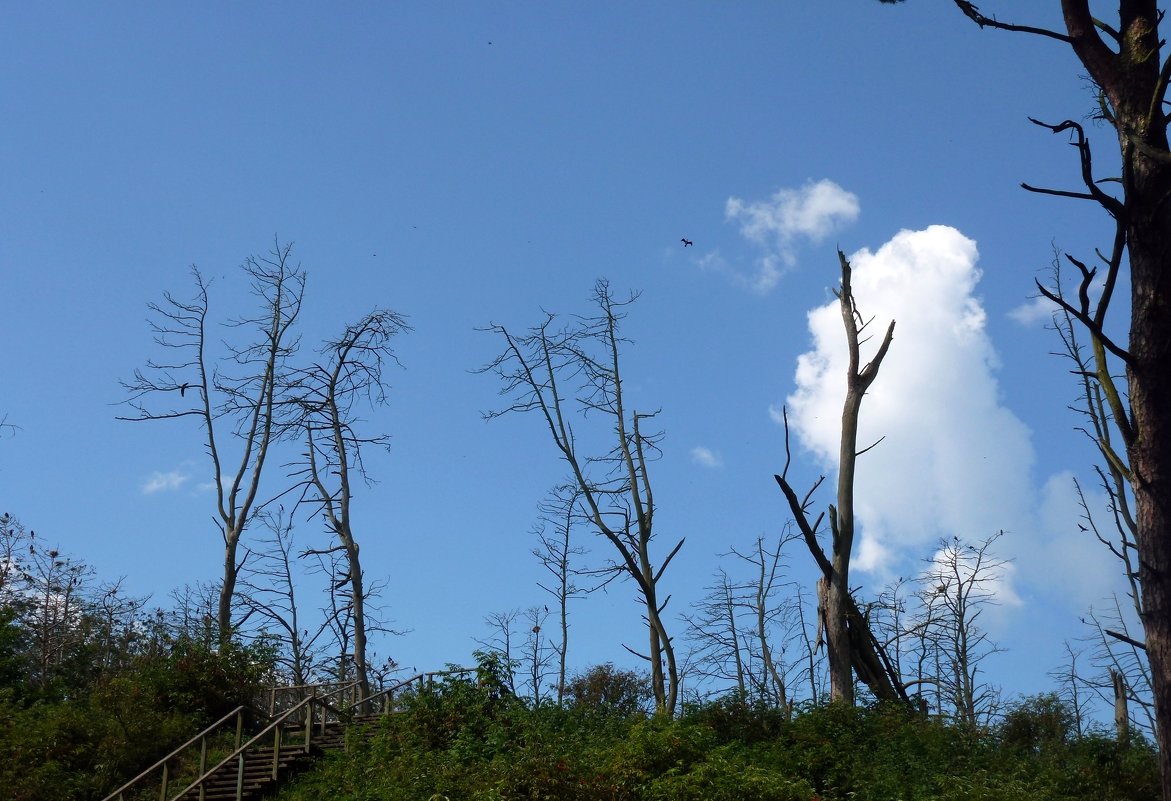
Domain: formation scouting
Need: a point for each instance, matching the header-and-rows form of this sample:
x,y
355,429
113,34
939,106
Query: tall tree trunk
x,y
841,518
359,591
1121,708
1134,86
837,631
1149,380
228,585
851,646
1128,70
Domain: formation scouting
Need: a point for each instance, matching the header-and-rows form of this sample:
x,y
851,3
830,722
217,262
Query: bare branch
x,y
973,13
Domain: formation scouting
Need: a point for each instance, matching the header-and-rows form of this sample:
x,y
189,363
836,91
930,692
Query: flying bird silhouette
x,y
686,242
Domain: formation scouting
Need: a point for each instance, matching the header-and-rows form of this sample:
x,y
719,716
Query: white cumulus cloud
x,y
705,457
955,461
164,482
777,224
1035,310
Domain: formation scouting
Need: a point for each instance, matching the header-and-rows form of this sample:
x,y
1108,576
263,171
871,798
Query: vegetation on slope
x,y
467,738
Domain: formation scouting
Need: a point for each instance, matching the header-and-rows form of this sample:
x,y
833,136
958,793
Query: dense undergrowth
x,y
467,739
78,736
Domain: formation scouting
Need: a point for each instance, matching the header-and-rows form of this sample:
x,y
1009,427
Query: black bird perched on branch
x,y
686,242
182,390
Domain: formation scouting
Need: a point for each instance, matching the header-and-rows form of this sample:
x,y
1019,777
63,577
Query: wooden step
x,y
258,781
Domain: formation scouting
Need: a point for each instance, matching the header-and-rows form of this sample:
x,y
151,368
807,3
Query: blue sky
x,y
470,163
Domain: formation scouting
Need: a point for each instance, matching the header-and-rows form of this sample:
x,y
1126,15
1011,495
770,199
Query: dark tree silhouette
x,y
1125,61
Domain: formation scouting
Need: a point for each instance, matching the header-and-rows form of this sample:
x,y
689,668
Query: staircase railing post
x,y
166,780
240,778
202,765
276,751
309,722
239,727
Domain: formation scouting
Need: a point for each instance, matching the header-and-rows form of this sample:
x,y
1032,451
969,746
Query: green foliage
x,y
465,740
1037,723
115,692
1039,731
727,774
604,688
13,648
49,750
84,744
735,718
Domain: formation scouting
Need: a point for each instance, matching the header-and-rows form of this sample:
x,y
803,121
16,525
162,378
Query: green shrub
x,y
726,774
605,689
735,719
464,740
1036,723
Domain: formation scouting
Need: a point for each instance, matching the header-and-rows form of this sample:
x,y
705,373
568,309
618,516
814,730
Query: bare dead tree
x,y
1117,651
1121,659
907,618
558,553
115,613
742,627
499,642
328,393
15,541
191,615
381,672
559,371
1100,398
1072,690
959,585
851,646
69,618
55,616
770,681
718,645
241,393
536,653
268,587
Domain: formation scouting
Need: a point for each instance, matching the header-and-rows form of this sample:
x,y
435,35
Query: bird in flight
x,y
686,242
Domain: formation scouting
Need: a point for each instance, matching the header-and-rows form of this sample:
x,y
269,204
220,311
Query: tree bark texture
x,y
1125,64
1134,84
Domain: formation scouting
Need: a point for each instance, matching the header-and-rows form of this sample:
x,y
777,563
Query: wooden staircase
x,y
256,779
264,768
296,733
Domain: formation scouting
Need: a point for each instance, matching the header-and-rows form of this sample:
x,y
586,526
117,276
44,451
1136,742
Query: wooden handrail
x,y
117,793
238,754
418,677
334,688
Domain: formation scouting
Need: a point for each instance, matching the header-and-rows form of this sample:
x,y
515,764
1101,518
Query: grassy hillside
x,y
468,739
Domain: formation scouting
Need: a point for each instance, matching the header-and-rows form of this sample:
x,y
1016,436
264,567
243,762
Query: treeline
x,y
471,738
921,640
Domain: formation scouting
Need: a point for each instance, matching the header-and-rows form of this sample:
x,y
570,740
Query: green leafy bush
x,y
464,739
606,689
